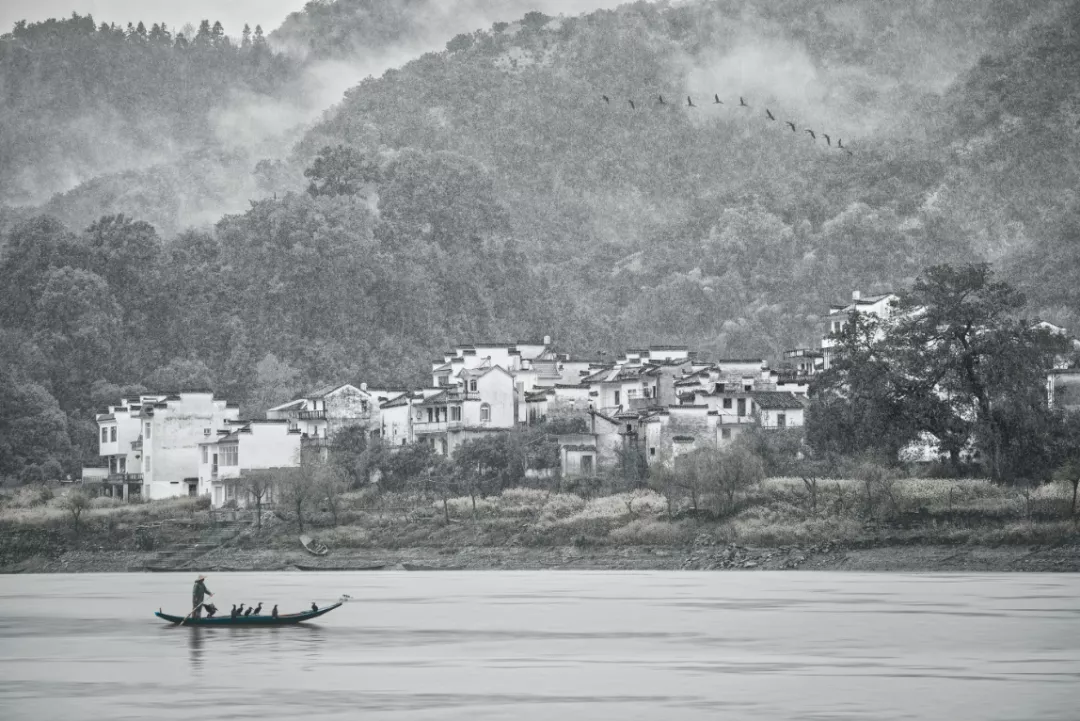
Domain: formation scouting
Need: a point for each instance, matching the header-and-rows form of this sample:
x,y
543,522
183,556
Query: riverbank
x,y
914,525
903,559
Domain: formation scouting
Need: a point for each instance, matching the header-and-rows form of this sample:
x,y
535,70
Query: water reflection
x,y
195,647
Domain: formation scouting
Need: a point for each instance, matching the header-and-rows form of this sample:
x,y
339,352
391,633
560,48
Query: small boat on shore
x,y
312,546
260,620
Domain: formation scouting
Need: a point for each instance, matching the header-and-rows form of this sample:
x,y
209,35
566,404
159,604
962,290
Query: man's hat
x,y
201,578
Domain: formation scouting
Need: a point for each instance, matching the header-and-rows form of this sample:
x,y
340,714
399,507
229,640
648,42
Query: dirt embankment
x,y
913,559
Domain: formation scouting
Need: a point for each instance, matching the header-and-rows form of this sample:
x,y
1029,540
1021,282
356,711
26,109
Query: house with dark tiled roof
x,y
240,448
323,411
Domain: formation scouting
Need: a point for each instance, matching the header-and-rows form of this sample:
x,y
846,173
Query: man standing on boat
x,y
198,593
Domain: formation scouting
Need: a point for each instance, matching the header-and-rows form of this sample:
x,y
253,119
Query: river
x,y
548,645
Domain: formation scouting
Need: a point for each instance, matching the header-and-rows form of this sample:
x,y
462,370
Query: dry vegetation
x,y
772,513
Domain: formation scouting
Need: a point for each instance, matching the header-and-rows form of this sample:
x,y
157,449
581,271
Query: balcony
x,y
311,415
125,478
436,426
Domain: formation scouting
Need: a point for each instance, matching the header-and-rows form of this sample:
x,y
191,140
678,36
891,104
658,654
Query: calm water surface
x,y
549,645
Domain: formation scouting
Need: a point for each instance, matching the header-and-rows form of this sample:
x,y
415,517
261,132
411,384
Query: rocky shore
x,y
701,557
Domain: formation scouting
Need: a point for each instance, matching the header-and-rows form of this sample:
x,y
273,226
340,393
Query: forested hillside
x,y
491,191
79,100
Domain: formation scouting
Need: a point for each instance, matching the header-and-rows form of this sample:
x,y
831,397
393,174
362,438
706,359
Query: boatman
x,y
198,593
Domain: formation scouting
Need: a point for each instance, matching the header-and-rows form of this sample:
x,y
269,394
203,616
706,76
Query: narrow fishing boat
x,y
260,620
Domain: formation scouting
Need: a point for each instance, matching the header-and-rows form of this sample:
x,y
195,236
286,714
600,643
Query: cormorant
x,y
769,115
661,99
258,608
717,100
742,103
690,102
632,106
812,133
314,607
249,611
791,124
606,98
828,141
234,611
273,614
240,610
839,142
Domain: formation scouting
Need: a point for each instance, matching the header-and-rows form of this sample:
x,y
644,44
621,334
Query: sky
x,y
174,13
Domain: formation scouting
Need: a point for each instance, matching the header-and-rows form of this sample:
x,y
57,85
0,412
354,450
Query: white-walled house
x,y
172,430
245,446
481,401
150,443
118,432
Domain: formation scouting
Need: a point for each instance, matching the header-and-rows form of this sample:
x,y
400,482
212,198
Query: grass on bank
x,y
774,512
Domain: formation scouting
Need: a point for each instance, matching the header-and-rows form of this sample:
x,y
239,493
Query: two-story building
x,y
324,411
241,447
170,429
118,431
480,401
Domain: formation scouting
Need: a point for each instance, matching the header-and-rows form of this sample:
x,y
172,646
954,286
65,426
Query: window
x,y
472,385
147,431
112,434
725,433
455,413
652,451
104,435
122,466
229,455
616,397
727,403
485,413
781,420
205,454
742,407
748,388
430,415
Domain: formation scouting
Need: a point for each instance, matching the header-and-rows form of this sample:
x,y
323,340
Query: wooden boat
x,y
313,547
261,620
372,567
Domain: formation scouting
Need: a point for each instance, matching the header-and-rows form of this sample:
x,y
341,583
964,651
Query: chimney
x,y
363,387
547,340
856,295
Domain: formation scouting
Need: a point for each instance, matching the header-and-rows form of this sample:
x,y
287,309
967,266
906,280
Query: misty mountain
x,y
79,101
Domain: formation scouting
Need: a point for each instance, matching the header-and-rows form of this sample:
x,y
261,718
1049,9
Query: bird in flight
x,y
840,142
791,124
690,102
606,98
717,100
769,114
632,106
828,140
662,100
812,134
742,103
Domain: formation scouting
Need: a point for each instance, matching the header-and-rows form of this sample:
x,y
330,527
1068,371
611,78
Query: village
x,y
663,401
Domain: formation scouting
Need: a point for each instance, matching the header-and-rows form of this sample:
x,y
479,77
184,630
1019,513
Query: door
x,y
586,466
213,466
741,407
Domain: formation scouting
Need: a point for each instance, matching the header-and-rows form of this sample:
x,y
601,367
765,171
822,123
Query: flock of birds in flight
x,y
743,104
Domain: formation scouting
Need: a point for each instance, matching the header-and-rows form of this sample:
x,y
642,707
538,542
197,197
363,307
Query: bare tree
x,y
330,483
75,502
298,488
258,485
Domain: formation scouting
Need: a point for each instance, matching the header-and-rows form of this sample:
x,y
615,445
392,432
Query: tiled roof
x,y
324,390
776,400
